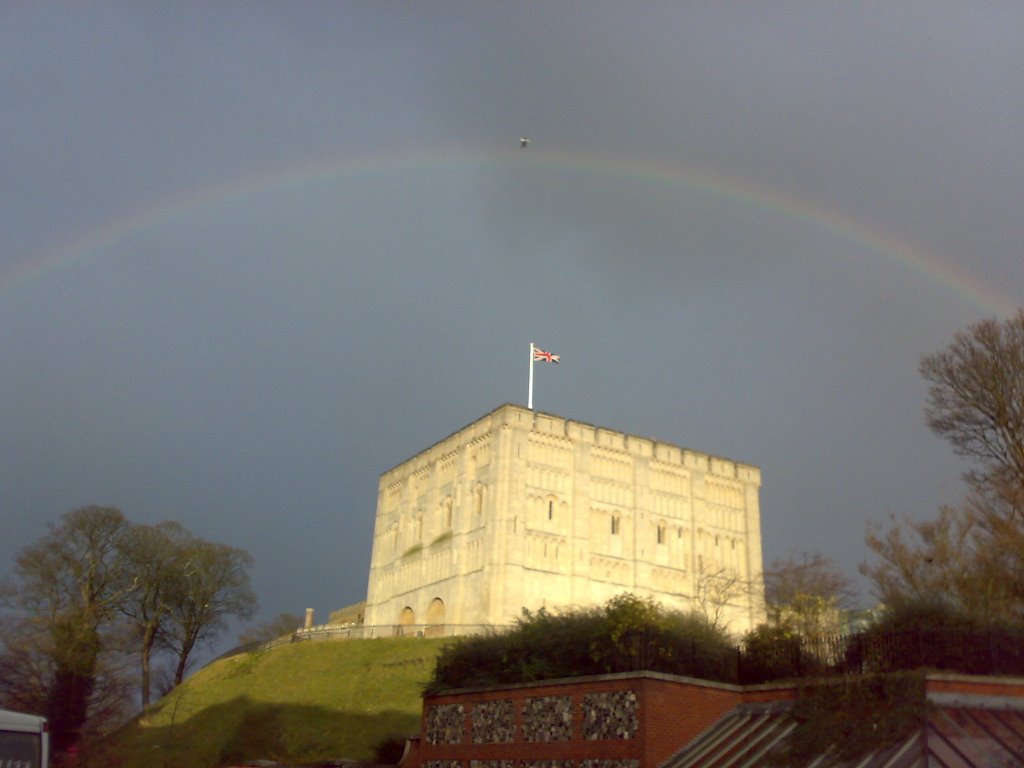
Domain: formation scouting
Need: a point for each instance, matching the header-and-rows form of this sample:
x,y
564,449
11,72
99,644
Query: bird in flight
x,y
523,142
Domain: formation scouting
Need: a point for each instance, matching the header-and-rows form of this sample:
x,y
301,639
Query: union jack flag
x,y
540,356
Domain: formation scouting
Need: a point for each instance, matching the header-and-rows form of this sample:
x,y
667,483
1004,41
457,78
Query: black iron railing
x,y
979,653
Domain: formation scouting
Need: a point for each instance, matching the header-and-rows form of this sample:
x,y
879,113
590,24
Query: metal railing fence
x,y
980,653
363,632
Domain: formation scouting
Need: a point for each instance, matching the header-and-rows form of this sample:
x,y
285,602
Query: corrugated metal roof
x,y
953,737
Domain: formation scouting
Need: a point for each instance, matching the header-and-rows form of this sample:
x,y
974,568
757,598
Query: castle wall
x,y
528,510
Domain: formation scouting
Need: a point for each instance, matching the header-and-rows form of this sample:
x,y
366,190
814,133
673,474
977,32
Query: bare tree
x,y
153,555
98,594
69,587
976,402
214,586
718,591
26,668
281,625
972,556
806,593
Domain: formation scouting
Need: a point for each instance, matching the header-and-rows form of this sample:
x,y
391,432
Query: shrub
x,y
626,634
771,653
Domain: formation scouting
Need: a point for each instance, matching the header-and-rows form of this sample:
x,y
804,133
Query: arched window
x,y
447,513
615,524
661,533
478,501
551,509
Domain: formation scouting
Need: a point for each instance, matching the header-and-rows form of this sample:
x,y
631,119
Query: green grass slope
x,y
298,703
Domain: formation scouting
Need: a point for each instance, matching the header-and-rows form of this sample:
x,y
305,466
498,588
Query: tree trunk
x,y
67,705
187,644
148,640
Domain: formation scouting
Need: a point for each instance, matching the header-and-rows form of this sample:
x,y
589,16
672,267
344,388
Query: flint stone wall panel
x,y
547,718
493,723
610,715
445,723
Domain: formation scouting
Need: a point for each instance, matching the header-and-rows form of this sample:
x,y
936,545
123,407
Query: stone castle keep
x,y
527,510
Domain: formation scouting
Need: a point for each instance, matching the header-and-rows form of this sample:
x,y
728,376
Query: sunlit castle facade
x,y
527,510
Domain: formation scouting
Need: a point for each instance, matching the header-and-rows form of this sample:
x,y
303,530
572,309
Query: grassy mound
x,y
295,704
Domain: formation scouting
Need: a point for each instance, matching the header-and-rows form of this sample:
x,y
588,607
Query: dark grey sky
x,y
251,256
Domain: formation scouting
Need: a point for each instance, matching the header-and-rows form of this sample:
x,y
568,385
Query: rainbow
x,y
605,167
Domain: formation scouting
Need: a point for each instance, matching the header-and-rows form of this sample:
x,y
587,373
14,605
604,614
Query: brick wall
x,y
674,713
949,683
633,720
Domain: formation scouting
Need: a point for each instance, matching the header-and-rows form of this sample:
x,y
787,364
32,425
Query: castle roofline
x,y
505,412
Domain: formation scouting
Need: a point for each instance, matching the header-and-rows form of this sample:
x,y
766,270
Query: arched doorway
x,y
406,619
435,618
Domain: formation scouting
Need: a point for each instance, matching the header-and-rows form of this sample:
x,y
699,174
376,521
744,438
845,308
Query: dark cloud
x,y
251,363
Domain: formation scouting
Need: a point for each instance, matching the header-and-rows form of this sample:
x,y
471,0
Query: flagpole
x,y
529,397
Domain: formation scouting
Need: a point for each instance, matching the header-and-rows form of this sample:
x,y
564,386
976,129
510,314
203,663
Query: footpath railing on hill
x,y
363,632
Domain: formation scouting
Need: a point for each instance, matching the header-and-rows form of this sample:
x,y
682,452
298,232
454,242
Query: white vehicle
x,y
24,741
